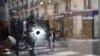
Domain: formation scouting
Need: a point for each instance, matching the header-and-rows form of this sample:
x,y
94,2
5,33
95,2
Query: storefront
x,y
78,25
87,28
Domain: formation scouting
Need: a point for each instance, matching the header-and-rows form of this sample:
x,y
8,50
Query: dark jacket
x,y
30,20
16,27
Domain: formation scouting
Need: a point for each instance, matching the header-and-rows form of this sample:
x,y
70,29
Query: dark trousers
x,y
30,43
16,47
32,51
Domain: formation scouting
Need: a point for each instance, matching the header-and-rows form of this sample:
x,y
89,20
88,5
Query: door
x,y
87,31
68,27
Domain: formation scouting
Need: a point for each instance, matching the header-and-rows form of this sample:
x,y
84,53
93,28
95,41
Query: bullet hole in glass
x,y
38,32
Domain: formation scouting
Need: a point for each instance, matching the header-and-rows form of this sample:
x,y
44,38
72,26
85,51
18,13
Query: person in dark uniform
x,y
16,30
29,21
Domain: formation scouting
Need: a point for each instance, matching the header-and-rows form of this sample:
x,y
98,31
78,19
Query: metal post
x,y
99,25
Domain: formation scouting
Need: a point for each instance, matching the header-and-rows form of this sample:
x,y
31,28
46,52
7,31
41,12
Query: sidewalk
x,y
71,47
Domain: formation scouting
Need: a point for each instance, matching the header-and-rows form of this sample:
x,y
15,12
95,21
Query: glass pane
x,y
49,28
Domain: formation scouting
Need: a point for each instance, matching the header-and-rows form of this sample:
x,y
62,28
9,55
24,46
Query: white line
x,y
65,53
91,55
83,40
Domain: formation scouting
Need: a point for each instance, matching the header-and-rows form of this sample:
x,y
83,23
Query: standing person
x,y
16,30
30,22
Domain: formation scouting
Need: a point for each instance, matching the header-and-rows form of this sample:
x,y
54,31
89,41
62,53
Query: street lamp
x,y
41,3
45,1
44,4
49,1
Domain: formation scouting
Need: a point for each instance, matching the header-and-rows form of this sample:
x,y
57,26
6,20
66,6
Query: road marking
x,y
91,55
84,40
66,53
